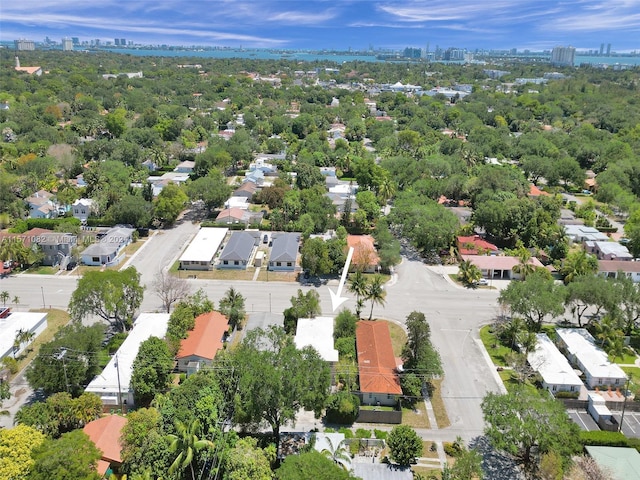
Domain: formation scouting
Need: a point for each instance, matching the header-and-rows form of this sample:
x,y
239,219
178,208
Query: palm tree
x,y
358,285
4,296
16,300
510,330
186,443
338,453
468,273
524,267
376,293
232,305
527,341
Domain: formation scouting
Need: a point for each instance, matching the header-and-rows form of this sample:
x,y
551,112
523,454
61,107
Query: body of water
x,y
301,56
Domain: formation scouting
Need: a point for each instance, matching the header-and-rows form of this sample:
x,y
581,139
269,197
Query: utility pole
x,y
61,356
117,365
624,404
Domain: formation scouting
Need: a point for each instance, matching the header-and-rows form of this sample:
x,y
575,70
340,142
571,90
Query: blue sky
x,y
335,24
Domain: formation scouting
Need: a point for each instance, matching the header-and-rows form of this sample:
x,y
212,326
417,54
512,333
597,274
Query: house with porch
x,y
203,342
284,251
499,267
377,366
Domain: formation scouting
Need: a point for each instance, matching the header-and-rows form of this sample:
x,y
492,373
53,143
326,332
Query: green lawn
x,y
496,350
627,359
415,419
510,382
634,379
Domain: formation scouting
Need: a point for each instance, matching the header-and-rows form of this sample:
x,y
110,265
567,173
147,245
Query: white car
x,y
483,281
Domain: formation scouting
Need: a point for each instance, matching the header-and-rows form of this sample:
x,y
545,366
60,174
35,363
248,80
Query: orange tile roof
x,y
535,191
364,253
105,433
206,337
473,244
376,362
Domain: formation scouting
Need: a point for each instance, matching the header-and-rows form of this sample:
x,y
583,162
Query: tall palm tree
x,y
358,286
376,293
16,300
232,305
338,453
186,443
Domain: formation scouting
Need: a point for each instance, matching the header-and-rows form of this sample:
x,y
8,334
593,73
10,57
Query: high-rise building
x,y
123,42
24,44
608,49
67,44
75,40
601,49
117,42
563,56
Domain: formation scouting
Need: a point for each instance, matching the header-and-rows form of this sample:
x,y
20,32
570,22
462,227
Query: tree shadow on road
x,y
496,465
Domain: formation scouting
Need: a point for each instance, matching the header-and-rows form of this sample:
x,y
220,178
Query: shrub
x,y
346,347
347,432
567,394
606,439
380,434
363,433
11,364
115,342
342,408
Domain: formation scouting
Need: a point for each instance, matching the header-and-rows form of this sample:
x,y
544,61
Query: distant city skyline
x,y
321,24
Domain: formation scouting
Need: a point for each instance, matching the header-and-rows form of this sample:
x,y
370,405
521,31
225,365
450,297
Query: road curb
x,y
494,371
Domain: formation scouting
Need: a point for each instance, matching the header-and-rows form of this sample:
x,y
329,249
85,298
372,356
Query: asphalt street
x,y
454,313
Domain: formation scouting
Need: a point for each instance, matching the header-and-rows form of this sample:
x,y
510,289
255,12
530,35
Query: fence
x,y
379,416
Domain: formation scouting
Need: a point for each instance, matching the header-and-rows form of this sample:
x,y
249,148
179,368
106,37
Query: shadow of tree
x,y
496,465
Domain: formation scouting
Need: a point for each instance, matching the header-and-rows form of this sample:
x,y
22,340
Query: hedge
x,y
602,438
46,223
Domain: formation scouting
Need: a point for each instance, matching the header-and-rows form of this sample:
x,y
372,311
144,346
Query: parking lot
x,y
630,425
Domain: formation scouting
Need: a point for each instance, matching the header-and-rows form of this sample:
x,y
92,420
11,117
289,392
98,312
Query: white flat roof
x,y
595,361
317,333
204,245
553,367
147,325
10,326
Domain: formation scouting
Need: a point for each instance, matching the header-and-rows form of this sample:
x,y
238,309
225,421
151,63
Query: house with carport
x,y
499,267
377,366
203,342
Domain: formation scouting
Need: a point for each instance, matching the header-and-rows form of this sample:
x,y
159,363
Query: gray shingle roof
x,y
285,247
239,247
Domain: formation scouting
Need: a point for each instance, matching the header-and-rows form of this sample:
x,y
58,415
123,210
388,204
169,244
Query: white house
x,y
200,254
580,233
11,324
284,252
317,333
41,205
581,349
113,385
555,370
608,250
82,209
616,268
108,249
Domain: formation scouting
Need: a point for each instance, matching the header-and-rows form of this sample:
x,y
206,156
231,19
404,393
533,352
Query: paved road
x,y
454,313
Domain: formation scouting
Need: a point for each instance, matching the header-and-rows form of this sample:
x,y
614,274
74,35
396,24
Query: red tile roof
x,y
205,339
535,191
473,244
105,433
376,362
364,252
